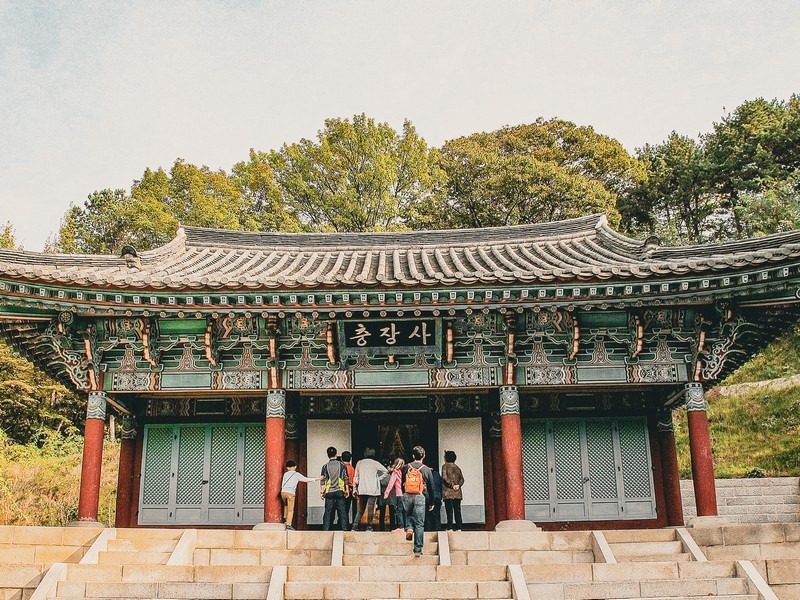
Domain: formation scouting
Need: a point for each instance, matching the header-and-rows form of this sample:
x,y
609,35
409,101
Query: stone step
x,y
416,571
141,545
563,573
137,533
682,557
622,549
197,590
361,560
631,588
133,558
362,548
619,536
384,537
726,597
368,590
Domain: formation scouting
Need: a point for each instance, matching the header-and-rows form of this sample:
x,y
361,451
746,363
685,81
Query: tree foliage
x,y
31,403
150,214
740,179
358,176
544,171
8,237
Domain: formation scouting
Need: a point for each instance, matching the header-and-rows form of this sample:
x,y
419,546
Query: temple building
x,y
549,357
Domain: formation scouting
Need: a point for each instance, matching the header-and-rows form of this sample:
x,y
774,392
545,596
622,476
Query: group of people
x,y
413,492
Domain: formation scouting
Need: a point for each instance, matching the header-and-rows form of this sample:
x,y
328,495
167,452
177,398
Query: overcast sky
x,y
92,93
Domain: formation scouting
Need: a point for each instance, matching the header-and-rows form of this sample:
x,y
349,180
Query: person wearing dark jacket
x,y
416,503
334,488
433,516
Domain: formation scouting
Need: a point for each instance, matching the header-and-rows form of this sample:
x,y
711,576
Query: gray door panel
x,y
210,474
587,469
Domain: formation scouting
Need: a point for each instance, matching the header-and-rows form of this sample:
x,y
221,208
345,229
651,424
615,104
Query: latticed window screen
x,y
602,464
587,469
217,470
567,452
636,462
191,457
534,452
224,465
253,492
157,467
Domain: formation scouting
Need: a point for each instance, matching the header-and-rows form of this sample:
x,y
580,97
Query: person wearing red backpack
x,y
417,497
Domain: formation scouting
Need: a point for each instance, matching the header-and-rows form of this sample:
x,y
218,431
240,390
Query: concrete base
x,y
517,525
698,522
269,527
86,523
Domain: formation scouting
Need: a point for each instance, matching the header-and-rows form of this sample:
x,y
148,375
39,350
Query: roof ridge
x,y
568,228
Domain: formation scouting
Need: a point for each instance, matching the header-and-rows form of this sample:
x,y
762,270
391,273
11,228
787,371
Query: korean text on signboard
x,y
399,336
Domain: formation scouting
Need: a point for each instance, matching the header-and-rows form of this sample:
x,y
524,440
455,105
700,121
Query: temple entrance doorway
x,y
393,436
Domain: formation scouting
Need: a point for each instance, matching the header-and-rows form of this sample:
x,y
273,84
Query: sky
x,y
93,93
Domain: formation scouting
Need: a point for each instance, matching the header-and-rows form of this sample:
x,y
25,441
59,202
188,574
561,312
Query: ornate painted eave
x,y
575,251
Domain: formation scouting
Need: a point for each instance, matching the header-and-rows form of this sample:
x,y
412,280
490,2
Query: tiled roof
x,y
581,249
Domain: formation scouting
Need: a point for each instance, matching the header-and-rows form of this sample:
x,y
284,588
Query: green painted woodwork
x,y
185,381
384,379
182,326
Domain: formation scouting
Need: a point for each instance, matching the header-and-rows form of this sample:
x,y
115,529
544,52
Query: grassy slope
x,y
759,429
40,486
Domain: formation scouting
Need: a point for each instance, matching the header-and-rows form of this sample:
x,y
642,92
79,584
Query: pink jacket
x,y
394,484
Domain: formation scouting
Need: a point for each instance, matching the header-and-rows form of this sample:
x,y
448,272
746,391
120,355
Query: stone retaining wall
x,y
762,500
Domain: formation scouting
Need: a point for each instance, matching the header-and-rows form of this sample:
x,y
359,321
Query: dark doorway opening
x,y
394,436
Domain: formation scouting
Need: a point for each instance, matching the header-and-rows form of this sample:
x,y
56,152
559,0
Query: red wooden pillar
x,y
94,431
511,431
669,469
705,492
127,454
274,452
498,470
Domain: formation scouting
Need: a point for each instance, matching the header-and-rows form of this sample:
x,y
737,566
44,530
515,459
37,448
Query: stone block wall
x,y
763,500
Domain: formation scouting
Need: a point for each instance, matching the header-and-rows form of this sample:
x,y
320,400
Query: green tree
x,y
675,200
740,179
8,237
543,171
744,157
149,216
357,176
261,193
31,403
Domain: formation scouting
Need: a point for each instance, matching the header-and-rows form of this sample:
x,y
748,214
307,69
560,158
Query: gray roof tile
x,y
578,249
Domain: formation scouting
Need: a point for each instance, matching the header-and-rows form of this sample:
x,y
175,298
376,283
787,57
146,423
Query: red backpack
x,y
414,483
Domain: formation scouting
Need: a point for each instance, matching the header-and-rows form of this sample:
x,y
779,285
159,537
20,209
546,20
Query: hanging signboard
x,y
390,336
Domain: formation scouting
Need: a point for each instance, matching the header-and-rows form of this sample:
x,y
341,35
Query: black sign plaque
x,y
390,336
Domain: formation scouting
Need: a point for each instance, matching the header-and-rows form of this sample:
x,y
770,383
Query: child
x,y
289,488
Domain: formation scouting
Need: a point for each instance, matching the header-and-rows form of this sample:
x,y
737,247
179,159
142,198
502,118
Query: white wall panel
x,y
464,437
322,433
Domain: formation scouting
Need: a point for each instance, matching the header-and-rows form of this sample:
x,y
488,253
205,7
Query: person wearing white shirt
x,y
289,490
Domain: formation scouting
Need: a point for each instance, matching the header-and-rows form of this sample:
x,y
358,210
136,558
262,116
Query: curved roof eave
x,y
580,249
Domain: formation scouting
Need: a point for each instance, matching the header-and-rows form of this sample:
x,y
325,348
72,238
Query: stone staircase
x,y
27,553
381,565
647,545
275,565
772,549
